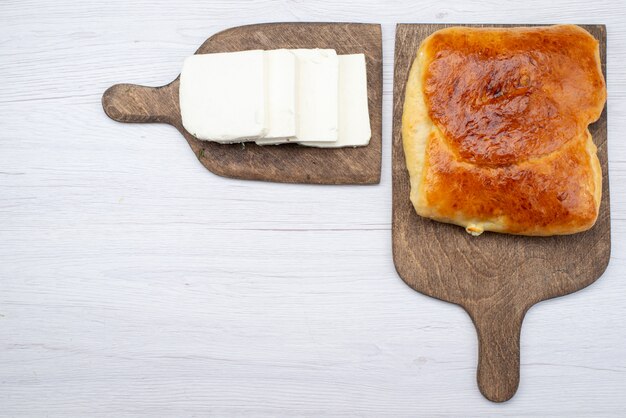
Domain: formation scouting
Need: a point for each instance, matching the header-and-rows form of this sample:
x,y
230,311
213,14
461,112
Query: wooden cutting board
x,y
496,278
284,163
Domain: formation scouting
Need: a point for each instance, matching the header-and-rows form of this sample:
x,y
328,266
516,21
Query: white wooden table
x,y
134,282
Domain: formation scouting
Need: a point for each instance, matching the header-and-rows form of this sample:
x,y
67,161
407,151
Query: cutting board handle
x,y
141,104
498,327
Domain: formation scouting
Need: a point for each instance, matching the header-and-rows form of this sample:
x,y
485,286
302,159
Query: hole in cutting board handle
x,y
131,103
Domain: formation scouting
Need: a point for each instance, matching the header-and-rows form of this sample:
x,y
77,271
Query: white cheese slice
x,y
280,78
222,96
354,119
316,94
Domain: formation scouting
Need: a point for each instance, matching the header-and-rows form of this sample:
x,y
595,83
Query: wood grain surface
x,y
496,278
134,283
289,163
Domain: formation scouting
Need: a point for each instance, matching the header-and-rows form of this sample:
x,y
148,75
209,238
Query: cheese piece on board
x,y
222,96
280,78
317,95
354,119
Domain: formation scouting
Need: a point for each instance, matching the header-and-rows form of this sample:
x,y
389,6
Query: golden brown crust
x,y
495,129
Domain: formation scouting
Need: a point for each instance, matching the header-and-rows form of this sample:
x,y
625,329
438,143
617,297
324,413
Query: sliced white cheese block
x,y
354,119
280,79
222,96
316,94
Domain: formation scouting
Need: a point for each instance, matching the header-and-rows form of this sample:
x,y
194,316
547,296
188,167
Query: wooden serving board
x,y
496,278
284,163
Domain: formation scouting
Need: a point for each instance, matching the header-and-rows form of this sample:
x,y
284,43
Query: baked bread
x,y
495,129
